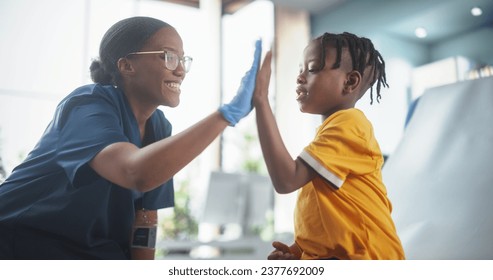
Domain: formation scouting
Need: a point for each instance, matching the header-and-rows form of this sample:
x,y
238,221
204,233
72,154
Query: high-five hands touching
x,y
241,105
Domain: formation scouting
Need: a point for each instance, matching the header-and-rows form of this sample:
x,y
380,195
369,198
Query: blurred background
x,y
225,205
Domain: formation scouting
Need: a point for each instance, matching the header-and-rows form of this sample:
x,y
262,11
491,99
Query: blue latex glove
x,y
241,104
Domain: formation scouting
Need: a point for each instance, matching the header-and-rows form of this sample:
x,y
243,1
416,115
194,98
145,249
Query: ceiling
x,y
442,18
229,6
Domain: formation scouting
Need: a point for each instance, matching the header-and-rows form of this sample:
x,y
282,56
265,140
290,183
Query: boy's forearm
x,y
277,158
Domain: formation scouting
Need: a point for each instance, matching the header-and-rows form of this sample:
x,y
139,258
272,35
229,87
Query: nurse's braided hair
x,y
126,36
363,54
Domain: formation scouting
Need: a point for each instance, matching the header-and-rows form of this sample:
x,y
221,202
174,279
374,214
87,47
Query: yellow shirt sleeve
x,y
344,145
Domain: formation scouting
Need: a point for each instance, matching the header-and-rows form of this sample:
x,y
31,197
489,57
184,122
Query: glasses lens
x,y
187,63
171,61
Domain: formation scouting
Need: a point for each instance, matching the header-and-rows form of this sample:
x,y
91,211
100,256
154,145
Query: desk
x,y
245,248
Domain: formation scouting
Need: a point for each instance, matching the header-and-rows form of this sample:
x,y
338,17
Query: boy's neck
x,y
328,114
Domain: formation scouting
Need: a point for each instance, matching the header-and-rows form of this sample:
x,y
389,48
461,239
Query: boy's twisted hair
x,y
363,54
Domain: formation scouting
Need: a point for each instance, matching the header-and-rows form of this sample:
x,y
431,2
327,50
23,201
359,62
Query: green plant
x,y
252,160
180,225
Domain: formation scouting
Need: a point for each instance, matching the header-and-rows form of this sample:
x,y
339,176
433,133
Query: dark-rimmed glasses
x,y
171,59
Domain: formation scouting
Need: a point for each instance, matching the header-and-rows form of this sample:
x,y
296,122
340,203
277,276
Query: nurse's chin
x,y
171,103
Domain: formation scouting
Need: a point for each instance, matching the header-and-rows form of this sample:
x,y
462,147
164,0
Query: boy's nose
x,y
300,79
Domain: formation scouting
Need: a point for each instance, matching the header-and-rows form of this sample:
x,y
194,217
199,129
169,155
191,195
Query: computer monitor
x,y
238,198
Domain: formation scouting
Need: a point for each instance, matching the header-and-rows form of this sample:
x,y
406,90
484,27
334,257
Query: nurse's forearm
x,y
160,161
146,168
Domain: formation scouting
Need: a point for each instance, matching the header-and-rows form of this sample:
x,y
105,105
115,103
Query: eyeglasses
x,y
171,59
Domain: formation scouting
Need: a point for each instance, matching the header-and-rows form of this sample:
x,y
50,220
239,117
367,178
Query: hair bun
x,y
98,74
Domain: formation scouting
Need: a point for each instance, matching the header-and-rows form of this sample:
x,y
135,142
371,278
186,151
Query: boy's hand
x,y
283,252
263,79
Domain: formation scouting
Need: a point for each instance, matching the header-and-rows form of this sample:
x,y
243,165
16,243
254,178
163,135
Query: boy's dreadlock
x,y
363,55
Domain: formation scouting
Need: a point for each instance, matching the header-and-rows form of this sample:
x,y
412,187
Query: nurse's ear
x,y
125,67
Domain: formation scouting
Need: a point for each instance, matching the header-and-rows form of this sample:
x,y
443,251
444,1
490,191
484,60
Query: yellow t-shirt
x,y
344,213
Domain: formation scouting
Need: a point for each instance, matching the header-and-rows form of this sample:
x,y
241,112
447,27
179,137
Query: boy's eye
x,y
310,69
313,68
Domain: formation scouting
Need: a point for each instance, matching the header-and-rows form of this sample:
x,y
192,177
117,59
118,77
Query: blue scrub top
x,y
54,206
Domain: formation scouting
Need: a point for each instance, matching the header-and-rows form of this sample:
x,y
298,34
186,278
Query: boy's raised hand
x,y
263,79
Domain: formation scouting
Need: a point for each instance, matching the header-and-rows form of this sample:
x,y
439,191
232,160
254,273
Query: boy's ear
x,y
353,80
125,66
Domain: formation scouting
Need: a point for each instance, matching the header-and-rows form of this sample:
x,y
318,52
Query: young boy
x,y
342,211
